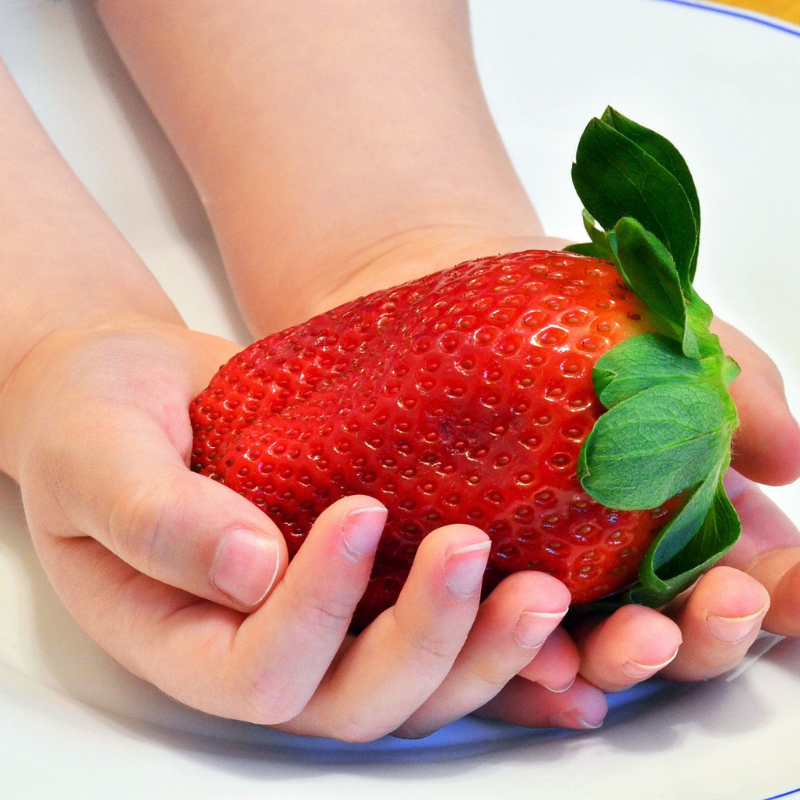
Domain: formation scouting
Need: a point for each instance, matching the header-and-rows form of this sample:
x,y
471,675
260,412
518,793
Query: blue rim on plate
x,y
467,737
750,16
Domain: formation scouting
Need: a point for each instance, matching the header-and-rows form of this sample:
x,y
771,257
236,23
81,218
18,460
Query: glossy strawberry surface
x,y
464,396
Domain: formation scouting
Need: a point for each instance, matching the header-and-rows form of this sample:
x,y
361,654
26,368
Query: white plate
x,y
721,85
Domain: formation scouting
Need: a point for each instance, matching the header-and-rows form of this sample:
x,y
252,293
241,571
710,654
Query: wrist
x,y
355,266
416,253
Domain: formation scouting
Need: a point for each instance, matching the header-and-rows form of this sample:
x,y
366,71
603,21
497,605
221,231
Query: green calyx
x,y
670,418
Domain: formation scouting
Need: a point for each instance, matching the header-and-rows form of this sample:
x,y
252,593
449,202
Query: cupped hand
x,y
707,631
187,585
169,571
97,435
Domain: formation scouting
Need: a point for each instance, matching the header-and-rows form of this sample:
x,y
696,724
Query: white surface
x,y
75,725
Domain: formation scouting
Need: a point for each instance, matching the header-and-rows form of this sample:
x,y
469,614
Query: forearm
x,y
325,137
62,261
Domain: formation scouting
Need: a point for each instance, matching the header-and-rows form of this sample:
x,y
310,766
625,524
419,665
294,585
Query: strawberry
x,y
571,404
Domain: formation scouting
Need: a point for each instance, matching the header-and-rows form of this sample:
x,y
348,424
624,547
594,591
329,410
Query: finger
x,y
719,620
631,645
286,648
404,655
127,487
769,551
779,573
766,448
556,664
530,705
511,627
161,634
258,668
764,526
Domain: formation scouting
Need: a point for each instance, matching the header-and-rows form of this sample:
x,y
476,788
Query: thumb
x,y
766,448
126,486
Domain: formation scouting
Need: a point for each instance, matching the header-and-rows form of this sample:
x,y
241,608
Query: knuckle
x,y
434,644
135,525
325,614
270,703
49,491
266,695
318,609
353,729
438,648
493,676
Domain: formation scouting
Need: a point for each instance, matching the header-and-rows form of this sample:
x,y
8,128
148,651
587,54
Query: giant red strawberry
x,y
571,404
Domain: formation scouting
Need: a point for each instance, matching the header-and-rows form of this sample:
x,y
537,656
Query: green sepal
x,y
598,247
655,444
649,270
694,540
667,431
640,363
698,319
729,370
616,177
706,528
587,249
666,154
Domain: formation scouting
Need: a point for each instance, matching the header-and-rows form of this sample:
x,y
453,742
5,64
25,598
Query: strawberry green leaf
x,y
655,444
640,363
718,533
598,247
729,370
588,249
670,418
649,270
599,238
696,539
665,153
616,178
698,319
677,534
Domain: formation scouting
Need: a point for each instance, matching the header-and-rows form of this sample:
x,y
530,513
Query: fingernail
x,y
362,531
464,568
245,566
637,671
731,630
572,719
533,627
558,689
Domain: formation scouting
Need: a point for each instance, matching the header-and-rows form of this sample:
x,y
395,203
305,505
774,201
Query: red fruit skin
x,y
461,397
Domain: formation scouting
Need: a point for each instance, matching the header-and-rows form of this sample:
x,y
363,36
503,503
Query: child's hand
x,y
758,582
96,433
98,436
708,630
102,437
377,168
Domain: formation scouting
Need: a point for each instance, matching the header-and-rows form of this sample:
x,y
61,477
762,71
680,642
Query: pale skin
x,y
338,148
